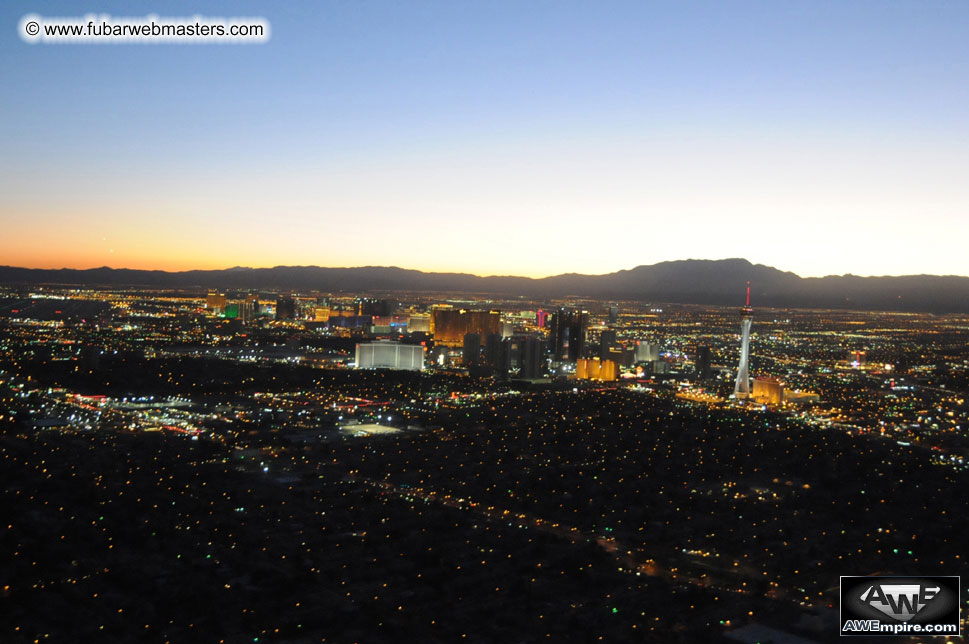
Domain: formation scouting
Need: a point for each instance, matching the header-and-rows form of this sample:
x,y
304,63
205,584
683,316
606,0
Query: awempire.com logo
x,y
903,606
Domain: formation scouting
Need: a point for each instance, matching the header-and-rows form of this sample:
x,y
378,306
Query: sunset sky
x,y
496,137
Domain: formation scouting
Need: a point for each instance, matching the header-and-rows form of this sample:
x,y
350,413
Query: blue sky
x,y
496,137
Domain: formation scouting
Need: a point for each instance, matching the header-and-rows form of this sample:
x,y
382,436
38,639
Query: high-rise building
x,y
541,319
769,391
449,326
607,340
390,355
285,308
471,353
703,362
857,359
496,352
567,334
646,351
419,323
627,355
377,308
532,361
249,308
215,303
608,371
596,369
742,387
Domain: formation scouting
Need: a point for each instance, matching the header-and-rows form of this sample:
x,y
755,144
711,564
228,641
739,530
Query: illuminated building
x,y
856,359
768,391
646,352
215,302
321,313
449,326
798,397
419,323
388,324
742,387
608,370
595,369
390,355
567,334
541,319
248,308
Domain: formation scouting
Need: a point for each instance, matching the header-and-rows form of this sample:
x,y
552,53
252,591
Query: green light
x,y
615,610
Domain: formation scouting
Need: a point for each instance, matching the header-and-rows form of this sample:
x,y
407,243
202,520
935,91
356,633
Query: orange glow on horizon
x,y
77,259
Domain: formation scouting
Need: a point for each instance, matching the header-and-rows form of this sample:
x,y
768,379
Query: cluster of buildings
x,y
529,345
566,341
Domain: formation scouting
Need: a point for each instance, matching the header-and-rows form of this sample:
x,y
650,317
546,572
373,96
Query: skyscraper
x,y
215,303
541,319
607,340
742,388
449,326
567,334
532,358
471,353
495,350
646,351
703,359
769,391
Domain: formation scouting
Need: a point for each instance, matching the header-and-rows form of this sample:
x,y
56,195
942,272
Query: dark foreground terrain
x,y
585,516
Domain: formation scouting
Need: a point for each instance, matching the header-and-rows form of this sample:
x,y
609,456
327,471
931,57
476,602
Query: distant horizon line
x,y
458,272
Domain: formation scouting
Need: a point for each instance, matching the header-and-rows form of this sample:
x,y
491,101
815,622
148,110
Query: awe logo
x,y
900,606
900,601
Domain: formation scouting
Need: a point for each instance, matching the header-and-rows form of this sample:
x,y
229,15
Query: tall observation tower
x,y
742,389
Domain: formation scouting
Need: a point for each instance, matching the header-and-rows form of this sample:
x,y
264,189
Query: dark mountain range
x,y
686,281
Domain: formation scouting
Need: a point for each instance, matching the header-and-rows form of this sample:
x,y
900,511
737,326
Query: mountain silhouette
x,y
691,281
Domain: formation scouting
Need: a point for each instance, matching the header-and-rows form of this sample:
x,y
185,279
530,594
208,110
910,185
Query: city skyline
x,y
376,321
820,137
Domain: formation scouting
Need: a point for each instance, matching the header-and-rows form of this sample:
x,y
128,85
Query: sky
x,y
495,137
